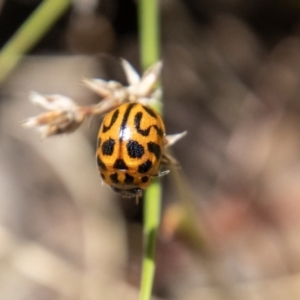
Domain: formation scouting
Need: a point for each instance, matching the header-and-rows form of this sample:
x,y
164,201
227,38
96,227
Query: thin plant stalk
x,y
28,35
149,52
149,28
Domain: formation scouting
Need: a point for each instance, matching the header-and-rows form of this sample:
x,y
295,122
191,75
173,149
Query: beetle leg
x,y
162,173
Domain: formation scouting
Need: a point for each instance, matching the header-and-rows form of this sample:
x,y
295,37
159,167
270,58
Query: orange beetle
x,y
131,143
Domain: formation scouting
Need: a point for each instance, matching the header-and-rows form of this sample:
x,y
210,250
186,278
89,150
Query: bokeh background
x,y
231,78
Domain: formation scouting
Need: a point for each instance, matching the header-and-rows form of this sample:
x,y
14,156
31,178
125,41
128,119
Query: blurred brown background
x,y
231,79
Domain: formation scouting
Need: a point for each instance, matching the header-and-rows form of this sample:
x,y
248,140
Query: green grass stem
x,y
28,35
149,28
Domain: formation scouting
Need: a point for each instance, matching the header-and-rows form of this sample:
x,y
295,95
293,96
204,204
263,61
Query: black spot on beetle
x,y
100,163
134,149
128,179
150,111
137,123
120,164
155,149
145,132
114,178
125,119
108,147
112,121
145,179
159,131
145,167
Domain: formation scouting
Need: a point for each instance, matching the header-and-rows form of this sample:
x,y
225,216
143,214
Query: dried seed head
x,y
64,115
148,81
139,87
173,138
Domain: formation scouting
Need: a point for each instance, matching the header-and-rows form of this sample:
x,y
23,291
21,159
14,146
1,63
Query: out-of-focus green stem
x,y
149,51
149,27
152,207
30,33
